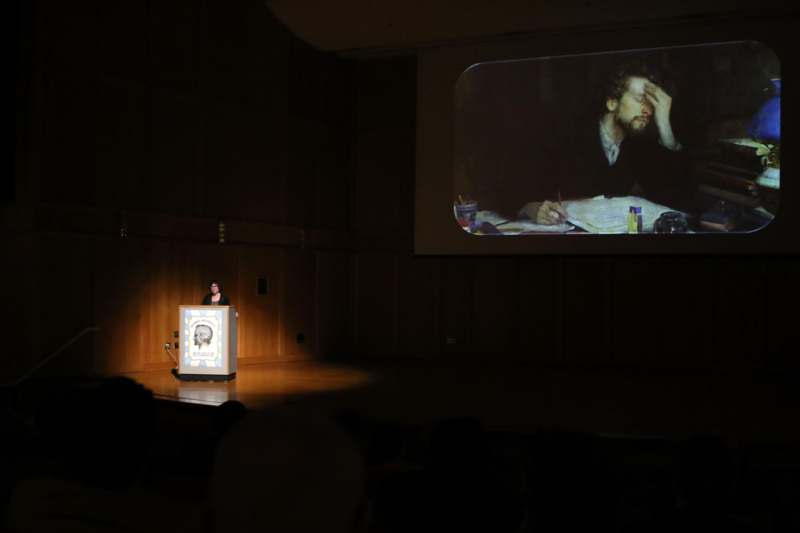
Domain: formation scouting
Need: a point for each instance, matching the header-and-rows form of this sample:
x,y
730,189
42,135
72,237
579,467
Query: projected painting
x,y
202,338
671,140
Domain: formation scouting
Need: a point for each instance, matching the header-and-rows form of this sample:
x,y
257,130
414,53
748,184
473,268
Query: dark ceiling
x,y
362,25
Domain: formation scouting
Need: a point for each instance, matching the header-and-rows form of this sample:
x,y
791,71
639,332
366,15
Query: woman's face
x,y
214,288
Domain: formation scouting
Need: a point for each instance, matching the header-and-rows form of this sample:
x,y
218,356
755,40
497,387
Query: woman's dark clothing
x,y
223,300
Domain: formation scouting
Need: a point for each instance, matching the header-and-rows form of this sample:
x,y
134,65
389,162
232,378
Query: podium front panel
x,y
207,339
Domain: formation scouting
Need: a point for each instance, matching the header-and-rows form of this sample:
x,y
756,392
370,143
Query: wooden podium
x,y
208,342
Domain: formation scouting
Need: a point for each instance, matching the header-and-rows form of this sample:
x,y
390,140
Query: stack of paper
x,y
610,215
515,227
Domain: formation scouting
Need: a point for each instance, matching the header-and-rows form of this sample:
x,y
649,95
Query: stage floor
x,y
512,397
257,385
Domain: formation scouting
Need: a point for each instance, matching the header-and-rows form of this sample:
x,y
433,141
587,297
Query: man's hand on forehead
x,y
654,91
662,106
661,101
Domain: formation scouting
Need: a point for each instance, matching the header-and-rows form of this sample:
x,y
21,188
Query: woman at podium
x,y
215,296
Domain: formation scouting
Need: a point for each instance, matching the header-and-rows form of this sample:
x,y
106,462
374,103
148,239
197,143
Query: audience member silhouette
x,y
293,471
225,416
466,487
568,488
706,483
96,441
102,434
289,471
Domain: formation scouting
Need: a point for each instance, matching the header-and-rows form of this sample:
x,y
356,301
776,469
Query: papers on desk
x,y
516,227
526,226
610,215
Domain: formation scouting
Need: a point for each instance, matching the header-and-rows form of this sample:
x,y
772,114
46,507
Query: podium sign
x,y
207,341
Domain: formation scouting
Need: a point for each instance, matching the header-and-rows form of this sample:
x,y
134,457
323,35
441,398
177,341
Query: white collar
x,y
610,147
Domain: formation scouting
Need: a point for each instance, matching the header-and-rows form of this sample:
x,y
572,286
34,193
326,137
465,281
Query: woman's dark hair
x,y
212,282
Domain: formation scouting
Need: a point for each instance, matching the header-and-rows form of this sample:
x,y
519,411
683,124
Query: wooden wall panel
x,y
385,146
122,40
260,317
737,326
457,307
211,261
376,201
418,306
120,284
177,32
298,309
71,45
301,203
334,184
384,198
64,290
245,89
245,161
173,183
20,318
121,138
584,299
539,309
65,153
782,294
151,297
495,323
661,309
375,290
334,307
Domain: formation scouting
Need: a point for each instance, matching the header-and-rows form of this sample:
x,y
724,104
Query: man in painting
x,y
628,148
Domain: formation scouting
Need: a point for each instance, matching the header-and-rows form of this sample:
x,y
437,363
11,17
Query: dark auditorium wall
x,y
146,124
156,120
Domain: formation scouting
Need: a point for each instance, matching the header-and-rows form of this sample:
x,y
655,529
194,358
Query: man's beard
x,y
638,125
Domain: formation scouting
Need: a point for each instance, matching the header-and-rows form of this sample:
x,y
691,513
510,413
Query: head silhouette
x,y
289,471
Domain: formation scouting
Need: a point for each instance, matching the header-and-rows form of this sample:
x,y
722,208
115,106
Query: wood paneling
x,y
334,309
178,42
260,316
121,120
298,309
782,294
539,308
418,306
304,166
661,311
115,286
583,310
495,316
457,304
375,290
67,163
20,318
385,146
174,180
63,287
737,324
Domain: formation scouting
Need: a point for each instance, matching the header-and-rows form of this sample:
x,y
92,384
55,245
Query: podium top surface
x,y
206,306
